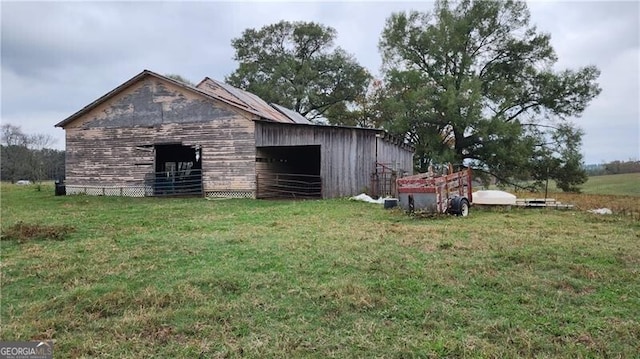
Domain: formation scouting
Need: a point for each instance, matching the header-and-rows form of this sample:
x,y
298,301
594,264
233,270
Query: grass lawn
x,y
144,277
626,184
622,184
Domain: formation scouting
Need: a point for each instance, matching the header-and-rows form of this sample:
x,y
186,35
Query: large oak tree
x,y
295,64
474,82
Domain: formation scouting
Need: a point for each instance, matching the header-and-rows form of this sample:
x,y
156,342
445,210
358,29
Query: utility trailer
x,y
431,193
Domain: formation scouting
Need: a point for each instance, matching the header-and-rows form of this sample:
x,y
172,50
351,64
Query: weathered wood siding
x,y
395,155
106,146
348,155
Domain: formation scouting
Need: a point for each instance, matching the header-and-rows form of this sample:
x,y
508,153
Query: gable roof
x,y
293,115
119,89
208,88
243,99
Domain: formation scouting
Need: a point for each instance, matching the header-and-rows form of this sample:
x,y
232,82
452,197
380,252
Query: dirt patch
x,y
23,232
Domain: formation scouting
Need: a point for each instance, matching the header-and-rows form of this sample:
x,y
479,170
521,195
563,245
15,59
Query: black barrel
x,y
390,203
61,189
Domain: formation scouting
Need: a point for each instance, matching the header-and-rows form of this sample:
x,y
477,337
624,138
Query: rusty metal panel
x,y
242,99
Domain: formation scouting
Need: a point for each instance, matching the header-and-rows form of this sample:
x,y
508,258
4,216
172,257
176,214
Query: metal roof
x,y
293,115
242,99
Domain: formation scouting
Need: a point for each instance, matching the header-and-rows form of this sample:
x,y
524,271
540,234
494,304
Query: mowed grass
x,y
140,277
627,184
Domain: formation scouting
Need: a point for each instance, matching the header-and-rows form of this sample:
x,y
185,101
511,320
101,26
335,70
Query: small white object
x,y
600,211
366,198
23,182
493,197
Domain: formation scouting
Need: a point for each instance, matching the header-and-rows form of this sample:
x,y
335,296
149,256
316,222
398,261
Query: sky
x,y
57,57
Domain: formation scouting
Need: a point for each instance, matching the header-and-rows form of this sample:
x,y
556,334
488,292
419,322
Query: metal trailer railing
x,y
383,181
451,193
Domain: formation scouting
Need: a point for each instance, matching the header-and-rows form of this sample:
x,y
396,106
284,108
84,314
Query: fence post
x,y
257,185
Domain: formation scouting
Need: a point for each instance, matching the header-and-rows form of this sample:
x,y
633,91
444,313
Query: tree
x,y
474,83
363,111
617,167
295,64
12,135
560,159
179,78
27,156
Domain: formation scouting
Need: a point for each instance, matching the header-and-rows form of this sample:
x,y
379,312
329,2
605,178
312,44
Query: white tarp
x,y
493,197
365,198
600,211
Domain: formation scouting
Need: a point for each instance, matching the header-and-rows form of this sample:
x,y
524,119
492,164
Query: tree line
x,y
614,168
468,82
27,157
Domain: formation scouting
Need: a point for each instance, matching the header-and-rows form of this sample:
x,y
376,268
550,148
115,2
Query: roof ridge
x,y
239,100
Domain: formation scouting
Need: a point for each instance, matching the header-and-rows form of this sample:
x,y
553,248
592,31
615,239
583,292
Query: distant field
x,y
622,184
627,184
189,278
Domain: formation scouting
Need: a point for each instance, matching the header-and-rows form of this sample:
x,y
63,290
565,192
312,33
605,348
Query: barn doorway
x,y
178,170
288,172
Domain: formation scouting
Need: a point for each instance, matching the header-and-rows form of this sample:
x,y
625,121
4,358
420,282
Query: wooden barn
x,y
154,136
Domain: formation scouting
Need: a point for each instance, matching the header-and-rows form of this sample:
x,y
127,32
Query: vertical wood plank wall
x,y
396,156
348,155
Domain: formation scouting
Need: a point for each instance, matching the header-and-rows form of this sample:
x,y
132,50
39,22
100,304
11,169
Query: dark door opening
x,y
288,172
178,170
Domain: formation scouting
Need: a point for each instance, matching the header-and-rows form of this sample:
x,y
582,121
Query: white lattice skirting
x,y
146,191
229,194
129,191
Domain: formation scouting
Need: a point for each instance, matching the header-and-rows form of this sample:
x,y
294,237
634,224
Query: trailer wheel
x,y
459,206
464,208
